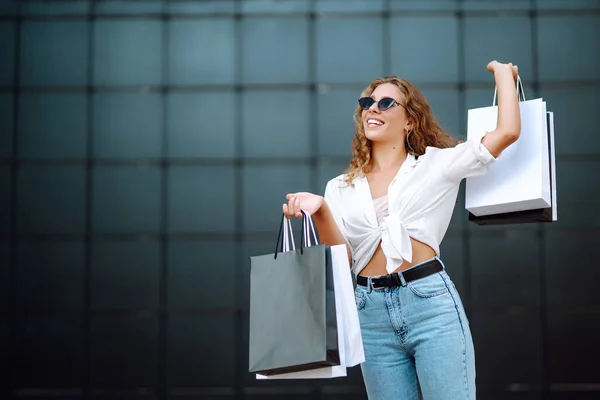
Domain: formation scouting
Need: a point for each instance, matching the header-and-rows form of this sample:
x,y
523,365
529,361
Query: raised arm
x,y
508,127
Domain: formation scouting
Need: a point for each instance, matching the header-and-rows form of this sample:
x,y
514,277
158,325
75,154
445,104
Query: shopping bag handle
x,y
285,228
308,228
520,91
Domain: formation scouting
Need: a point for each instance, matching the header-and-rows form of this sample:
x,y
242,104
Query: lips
x,y
374,122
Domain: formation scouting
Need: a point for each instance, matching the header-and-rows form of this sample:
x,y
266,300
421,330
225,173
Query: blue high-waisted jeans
x,y
417,341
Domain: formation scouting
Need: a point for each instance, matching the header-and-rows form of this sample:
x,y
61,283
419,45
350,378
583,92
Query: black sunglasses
x,y
383,104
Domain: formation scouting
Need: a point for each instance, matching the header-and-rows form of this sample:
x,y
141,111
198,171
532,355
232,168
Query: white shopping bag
x,y
520,186
349,336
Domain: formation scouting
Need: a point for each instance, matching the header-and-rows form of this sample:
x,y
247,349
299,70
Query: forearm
x,y
329,232
509,116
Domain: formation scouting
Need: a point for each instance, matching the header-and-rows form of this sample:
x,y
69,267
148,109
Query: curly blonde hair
x,y
426,129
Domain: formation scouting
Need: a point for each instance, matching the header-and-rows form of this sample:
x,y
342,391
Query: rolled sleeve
x,y
470,158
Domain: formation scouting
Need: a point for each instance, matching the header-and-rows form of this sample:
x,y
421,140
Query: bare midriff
x,y
376,267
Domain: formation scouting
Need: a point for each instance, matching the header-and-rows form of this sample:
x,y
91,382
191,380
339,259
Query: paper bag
x,y
293,323
521,185
349,335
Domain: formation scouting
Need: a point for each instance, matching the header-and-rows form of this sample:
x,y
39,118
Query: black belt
x,y
392,280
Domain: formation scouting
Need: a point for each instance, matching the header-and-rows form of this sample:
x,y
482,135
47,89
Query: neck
x,y
387,156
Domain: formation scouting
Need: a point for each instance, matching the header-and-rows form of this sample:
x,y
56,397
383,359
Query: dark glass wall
x,y
146,148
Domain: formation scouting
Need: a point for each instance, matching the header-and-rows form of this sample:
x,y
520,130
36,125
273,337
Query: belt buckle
x,y
374,287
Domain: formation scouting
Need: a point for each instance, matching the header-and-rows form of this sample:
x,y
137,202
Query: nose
x,y
375,107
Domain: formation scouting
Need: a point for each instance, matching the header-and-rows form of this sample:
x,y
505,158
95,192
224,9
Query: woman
x,y
392,208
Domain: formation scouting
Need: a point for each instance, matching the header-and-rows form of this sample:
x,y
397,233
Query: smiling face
x,y
388,125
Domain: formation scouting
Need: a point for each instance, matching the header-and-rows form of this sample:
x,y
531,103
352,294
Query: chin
x,y
376,135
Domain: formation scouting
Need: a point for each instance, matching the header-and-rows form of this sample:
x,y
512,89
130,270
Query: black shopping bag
x,y
293,323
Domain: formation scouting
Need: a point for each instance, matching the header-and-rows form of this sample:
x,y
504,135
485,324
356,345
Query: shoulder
x,y
338,182
338,185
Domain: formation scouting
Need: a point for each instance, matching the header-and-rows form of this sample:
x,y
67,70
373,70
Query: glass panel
x,y
54,53
275,50
341,51
265,187
445,105
4,277
197,206
55,8
576,363
566,4
7,53
5,368
5,201
201,124
424,5
6,125
579,251
335,121
202,7
348,6
576,118
127,125
10,8
53,126
212,336
127,52
509,344
124,394
132,341
129,7
418,60
275,6
497,5
126,200
203,393
49,352
577,39
213,59
494,268
192,264
483,44
51,200
125,274
50,275
276,123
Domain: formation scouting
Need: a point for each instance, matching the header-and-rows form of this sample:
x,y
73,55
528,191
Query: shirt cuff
x,y
483,154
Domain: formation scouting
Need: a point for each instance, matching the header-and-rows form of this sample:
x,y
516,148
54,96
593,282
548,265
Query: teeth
x,y
374,121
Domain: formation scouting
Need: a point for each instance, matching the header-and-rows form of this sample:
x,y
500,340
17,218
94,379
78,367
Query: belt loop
x,y
440,261
402,280
369,285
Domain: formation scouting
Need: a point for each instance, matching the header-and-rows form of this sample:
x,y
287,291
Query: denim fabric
x,y
417,341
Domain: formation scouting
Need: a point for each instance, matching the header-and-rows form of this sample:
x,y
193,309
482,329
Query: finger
x,y
285,211
288,196
297,208
291,206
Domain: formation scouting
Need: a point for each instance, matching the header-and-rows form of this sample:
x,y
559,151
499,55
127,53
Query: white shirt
x,y
421,199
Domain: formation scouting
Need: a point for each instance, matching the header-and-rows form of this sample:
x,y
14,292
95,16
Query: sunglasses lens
x,y
386,103
365,102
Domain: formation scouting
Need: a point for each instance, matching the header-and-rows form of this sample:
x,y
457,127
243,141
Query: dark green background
x,y
146,148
